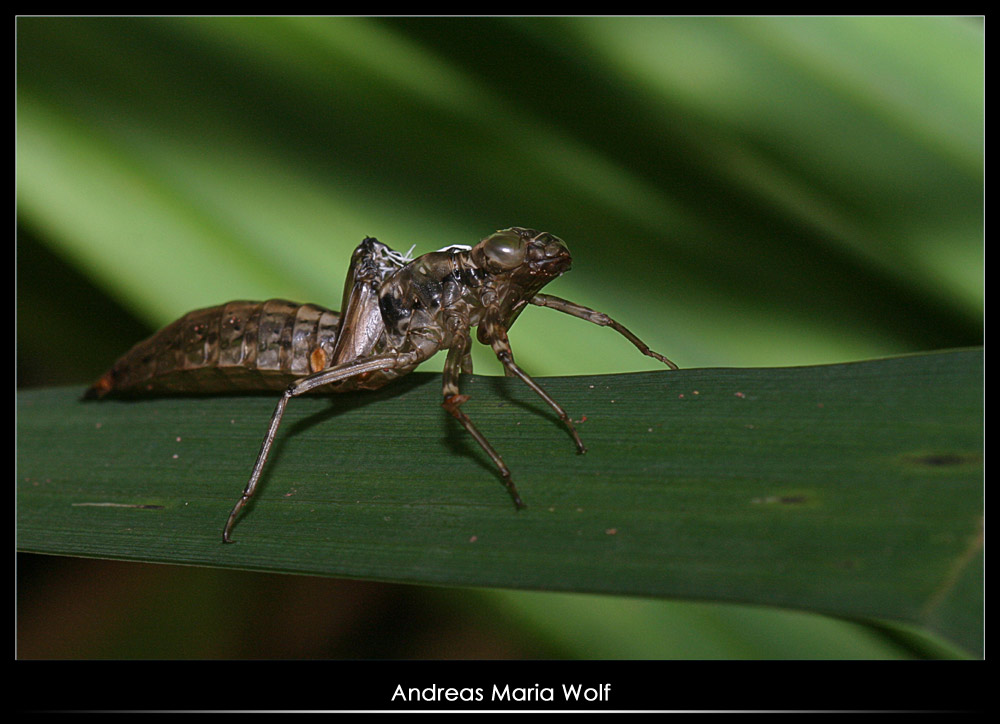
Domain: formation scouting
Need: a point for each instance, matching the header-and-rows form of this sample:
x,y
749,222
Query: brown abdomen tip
x,y
99,389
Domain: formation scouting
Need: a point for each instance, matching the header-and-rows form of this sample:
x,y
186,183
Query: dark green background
x,y
739,191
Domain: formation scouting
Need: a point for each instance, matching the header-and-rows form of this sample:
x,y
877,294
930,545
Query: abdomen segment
x,y
239,346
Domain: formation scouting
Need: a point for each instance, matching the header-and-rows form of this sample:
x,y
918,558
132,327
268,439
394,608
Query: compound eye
x,y
505,248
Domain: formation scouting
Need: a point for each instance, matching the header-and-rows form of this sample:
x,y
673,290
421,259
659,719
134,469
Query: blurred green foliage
x,y
739,191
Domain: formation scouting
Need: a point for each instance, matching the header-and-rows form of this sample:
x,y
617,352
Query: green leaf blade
x,y
853,490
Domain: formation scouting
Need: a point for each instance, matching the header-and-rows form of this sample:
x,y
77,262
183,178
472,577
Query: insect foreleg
x,y
496,335
325,377
599,318
458,361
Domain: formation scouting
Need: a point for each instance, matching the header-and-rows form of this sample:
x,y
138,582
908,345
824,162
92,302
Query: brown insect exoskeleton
x,y
396,313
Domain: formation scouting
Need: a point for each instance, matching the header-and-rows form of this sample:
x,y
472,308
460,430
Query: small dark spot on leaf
x,y
941,460
792,499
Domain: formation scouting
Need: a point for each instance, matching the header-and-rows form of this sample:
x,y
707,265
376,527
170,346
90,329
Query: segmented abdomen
x,y
239,346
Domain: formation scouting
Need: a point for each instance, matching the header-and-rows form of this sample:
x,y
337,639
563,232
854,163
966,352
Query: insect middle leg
x,y
299,387
458,361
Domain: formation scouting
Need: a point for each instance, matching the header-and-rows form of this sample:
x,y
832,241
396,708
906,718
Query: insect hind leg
x,y
258,467
299,387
